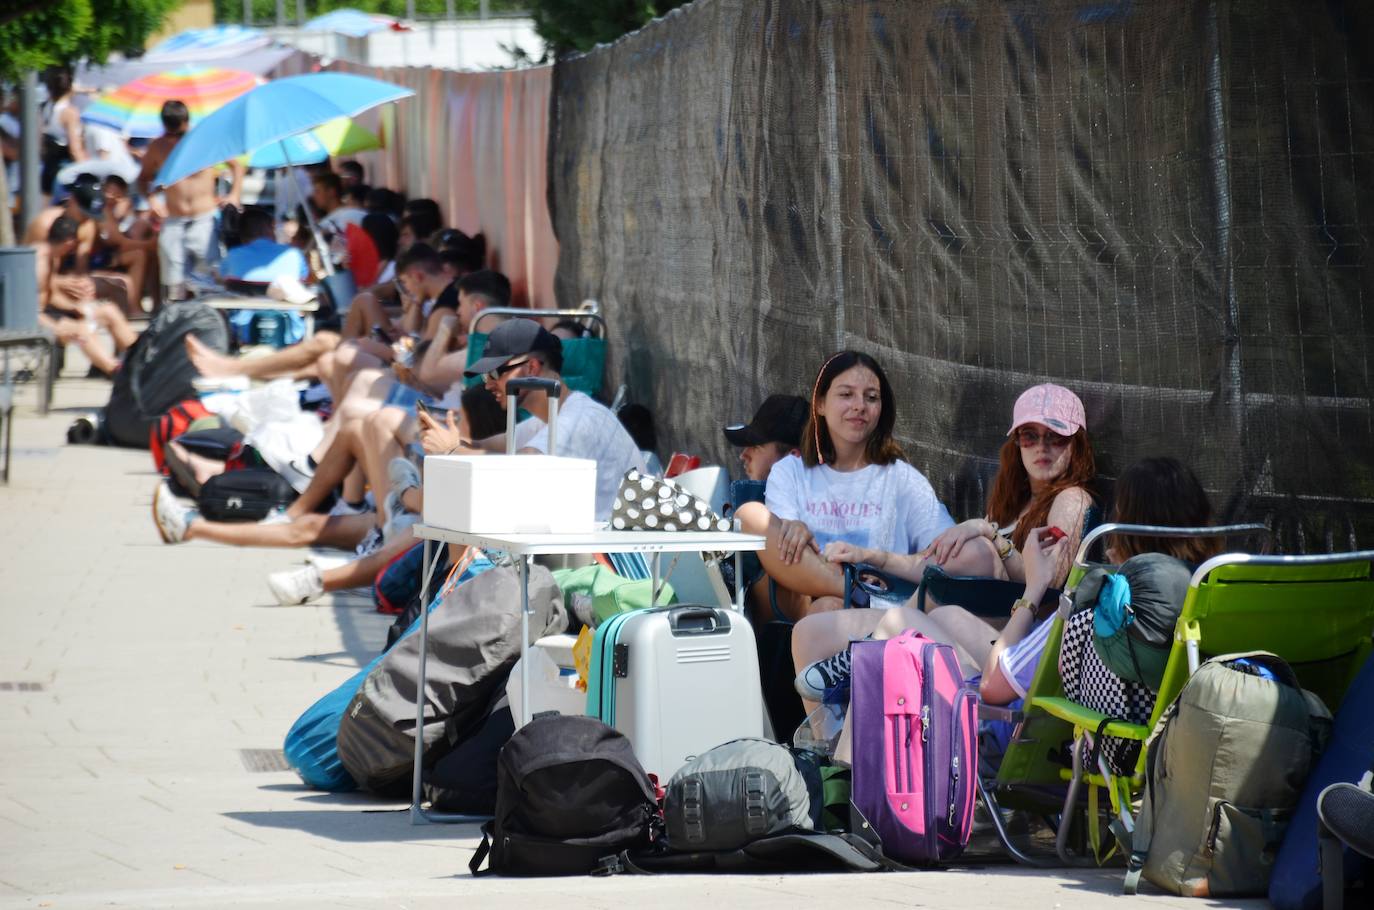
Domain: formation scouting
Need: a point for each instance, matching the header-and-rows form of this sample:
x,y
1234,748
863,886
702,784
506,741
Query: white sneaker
x,y
323,562
170,516
342,507
296,586
277,516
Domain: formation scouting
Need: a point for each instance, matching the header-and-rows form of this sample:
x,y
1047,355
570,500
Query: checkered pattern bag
x,y
646,503
1088,682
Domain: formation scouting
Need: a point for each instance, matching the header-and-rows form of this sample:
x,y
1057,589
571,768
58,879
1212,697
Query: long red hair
x,y
1011,490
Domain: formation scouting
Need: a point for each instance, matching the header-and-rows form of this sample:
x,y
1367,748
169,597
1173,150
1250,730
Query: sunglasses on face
x,y
1029,439
496,374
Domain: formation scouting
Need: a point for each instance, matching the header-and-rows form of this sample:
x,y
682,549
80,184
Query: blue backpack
x,y
311,745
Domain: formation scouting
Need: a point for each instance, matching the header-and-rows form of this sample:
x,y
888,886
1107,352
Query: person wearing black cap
x,y
773,434
67,307
520,348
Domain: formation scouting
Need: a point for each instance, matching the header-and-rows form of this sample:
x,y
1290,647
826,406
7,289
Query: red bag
x,y
169,426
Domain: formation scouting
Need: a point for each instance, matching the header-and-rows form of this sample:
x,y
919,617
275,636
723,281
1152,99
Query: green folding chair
x,y
1034,769
584,359
1316,612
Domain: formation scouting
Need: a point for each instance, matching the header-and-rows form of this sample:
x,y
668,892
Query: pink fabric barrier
x,y
476,142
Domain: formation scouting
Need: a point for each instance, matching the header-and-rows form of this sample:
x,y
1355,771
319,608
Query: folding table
x,y
523,548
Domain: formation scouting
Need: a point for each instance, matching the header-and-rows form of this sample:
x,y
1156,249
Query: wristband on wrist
x,y
1023,603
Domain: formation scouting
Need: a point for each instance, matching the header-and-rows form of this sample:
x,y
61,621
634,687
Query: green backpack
x,y
1225,767
610,593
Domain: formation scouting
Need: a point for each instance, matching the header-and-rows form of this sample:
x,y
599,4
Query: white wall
x,y
461,44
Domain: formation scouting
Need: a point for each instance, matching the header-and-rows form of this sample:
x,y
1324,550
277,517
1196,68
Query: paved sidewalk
x,y
144,689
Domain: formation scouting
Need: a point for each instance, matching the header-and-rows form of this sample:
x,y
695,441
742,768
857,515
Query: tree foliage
x,y
265,11
580,25
51,32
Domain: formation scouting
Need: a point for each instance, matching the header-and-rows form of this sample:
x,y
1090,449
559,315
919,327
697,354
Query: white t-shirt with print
x,y
886,507
587,429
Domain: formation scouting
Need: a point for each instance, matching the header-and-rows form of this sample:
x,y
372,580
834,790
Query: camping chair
x,y
1033,770
989,597
584,359
1316,612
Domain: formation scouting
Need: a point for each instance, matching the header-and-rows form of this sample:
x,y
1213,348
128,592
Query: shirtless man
x,y
188,236
85,206
66,301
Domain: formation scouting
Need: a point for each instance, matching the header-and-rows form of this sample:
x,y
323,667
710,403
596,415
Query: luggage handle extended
x,y
696,621
553,387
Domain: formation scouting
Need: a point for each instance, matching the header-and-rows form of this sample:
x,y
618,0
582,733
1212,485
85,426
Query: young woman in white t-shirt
x,y
850,484
1044,480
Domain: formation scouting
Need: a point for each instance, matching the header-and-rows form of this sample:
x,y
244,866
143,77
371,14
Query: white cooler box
x,y
510,494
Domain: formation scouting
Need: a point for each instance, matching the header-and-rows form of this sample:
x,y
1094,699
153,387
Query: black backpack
x,y
569,791
157,373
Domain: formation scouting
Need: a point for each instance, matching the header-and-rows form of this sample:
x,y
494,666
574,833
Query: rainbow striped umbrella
x,y
135,109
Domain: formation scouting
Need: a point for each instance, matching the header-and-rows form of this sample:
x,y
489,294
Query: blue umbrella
x,y
269,114
350,22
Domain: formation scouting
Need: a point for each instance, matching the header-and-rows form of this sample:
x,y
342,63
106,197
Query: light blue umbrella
x,y
352,23
270,114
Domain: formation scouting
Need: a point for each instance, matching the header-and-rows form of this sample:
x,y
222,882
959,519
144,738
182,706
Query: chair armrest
x,y
1088,719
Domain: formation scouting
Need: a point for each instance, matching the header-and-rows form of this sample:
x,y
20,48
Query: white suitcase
x,y
677,681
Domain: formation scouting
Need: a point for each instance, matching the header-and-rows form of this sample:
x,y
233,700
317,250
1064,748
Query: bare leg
x,y
380,445
810,577
111,318
331,470
203,468
135,262
364,571
343,531
355,485
95,352
285,362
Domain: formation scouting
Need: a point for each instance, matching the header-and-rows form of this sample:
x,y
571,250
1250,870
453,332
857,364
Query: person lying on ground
x,y
67,303
176,522
303,361
852,483
586,429
1153,491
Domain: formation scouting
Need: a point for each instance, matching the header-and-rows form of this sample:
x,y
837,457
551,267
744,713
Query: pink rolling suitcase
x,y
915,749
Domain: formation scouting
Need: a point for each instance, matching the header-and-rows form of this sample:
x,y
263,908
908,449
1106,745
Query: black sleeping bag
x,y
156,373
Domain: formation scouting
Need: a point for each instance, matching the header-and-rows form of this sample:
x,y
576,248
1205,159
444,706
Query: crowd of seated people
x,y
828,484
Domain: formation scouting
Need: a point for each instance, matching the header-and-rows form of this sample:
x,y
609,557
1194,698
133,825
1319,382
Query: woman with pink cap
x,y
1044,481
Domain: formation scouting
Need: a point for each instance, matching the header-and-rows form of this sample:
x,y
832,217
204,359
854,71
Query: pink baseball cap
x,y
1053,405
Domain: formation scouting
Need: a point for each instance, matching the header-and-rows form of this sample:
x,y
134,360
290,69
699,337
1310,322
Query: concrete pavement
x,y
144,694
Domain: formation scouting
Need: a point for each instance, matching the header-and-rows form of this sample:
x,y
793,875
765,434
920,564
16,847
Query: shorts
x,y
185,244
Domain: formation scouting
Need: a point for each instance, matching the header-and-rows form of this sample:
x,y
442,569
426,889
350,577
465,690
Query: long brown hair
x,y
817,447
1162,491
1011,490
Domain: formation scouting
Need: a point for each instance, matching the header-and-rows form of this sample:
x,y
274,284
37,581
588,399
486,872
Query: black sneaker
x,y
814,681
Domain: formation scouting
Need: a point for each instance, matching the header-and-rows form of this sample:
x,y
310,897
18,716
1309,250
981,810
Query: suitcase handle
x,y
696,620
553,387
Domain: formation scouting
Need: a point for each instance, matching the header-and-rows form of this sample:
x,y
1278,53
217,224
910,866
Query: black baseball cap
x,y
511,339
85,191
780,418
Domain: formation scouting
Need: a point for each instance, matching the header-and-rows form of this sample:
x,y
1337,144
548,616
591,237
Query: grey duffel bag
x,y
474,640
